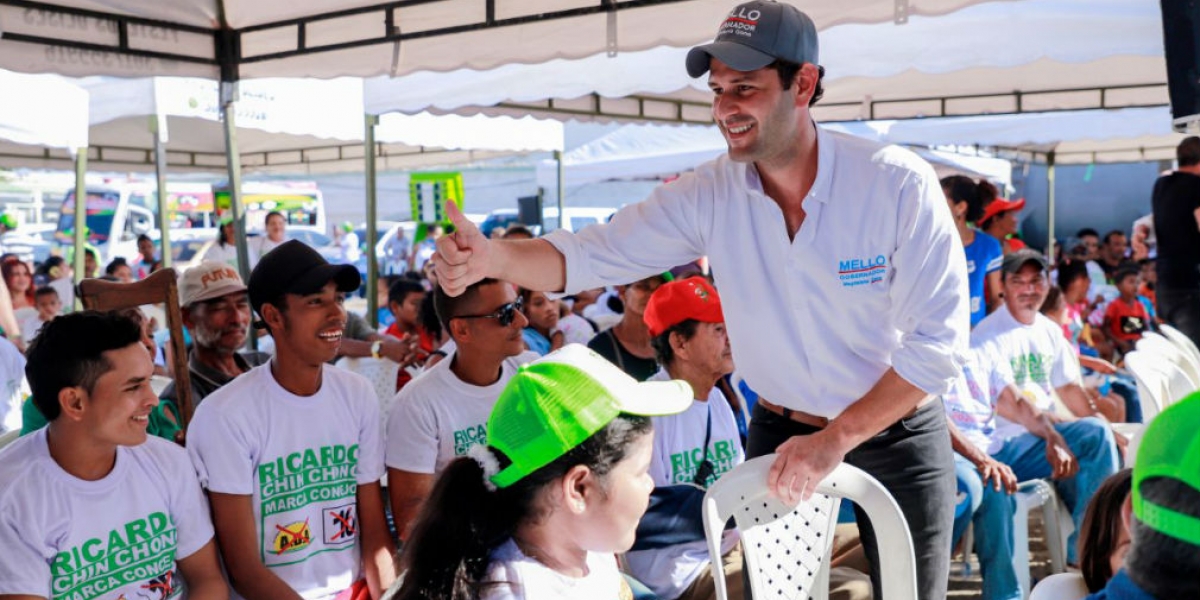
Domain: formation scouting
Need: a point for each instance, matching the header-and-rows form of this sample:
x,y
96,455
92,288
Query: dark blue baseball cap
x,y
755,34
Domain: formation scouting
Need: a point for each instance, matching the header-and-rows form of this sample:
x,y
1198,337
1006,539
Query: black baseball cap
x,y
295,268
757,33
1014,261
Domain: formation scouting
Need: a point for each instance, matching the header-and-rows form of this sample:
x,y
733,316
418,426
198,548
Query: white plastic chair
x,y
1184,343
1060,586
381,372
787,548
1151,383
1038,493
1170,355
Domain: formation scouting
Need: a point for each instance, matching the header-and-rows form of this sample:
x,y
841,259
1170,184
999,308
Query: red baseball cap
x,y
677,301
1000,205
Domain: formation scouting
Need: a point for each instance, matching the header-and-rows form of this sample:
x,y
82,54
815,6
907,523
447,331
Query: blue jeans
x,y
992,512
1091,440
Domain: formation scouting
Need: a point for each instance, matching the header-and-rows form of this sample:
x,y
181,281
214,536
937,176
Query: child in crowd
x,y
1126,318
542,334
48,306
119,270
540,511
404,302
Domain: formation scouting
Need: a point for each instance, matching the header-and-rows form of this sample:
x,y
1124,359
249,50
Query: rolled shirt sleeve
x,y
929,291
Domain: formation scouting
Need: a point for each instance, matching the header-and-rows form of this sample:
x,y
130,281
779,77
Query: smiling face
x,y
19,279
219,324
758,117
310,327
117,410
275,228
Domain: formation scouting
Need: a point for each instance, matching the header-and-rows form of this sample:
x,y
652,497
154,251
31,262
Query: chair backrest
x,y
1180,339
787,548
1151,383
1156,344
1060,586
381,372
159,288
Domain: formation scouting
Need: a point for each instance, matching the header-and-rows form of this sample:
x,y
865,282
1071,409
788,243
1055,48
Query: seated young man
x,y
441,414
290,452
90,507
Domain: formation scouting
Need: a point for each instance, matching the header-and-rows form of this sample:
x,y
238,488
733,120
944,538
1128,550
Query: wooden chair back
x,y
159,288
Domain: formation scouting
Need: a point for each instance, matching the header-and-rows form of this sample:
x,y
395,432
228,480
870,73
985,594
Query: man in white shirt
x,y
290,452
845,284
984,391
438,416
1044,365
90,507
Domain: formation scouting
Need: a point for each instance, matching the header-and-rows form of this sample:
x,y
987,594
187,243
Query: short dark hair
x,y
274,213
517,230
116,263
1112,234
401,288
1126,272
1069,271
446,307
144,238
661,343
69,352
1086,231
1164,566
45,290
1188,151
787,74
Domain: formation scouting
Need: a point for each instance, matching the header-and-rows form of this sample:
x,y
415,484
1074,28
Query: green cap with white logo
x,y
1170,448
557,402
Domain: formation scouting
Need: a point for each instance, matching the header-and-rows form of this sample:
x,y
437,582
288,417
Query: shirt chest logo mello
x,y
868,270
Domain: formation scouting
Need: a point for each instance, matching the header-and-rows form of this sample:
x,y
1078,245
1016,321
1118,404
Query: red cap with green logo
x,y
555,403
1170,448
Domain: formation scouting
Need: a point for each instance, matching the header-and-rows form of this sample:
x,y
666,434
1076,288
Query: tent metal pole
x,y
1050,204
81,198
158,127
229,94
562,187
369,123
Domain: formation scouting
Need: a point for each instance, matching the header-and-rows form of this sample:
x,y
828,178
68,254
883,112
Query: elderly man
x,y
216,311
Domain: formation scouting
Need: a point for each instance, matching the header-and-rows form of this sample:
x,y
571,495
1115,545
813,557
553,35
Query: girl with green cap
x,y
540,511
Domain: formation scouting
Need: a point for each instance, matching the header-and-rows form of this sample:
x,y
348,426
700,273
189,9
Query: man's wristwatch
x,y
375,346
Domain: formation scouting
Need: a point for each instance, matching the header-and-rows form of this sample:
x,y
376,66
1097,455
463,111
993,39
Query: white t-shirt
x,y
30,327
12,386
437,417
226,254
678,441
1040,356
118,537
527,579
301,459
971,402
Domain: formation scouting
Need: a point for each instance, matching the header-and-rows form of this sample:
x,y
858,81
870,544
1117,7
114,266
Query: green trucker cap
x,y
1170,448
555,403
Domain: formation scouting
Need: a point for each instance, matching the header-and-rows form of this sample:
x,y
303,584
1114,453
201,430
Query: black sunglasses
x,y
504,315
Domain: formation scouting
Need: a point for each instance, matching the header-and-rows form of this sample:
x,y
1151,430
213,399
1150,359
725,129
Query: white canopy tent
x,y
652,150
231,39
996,57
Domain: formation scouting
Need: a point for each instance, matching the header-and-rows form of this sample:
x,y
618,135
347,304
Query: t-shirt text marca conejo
x,y
142,550
289,485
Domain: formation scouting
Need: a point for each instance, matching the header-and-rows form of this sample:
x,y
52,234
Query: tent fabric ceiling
x,y
1047,55
43,110
350,37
